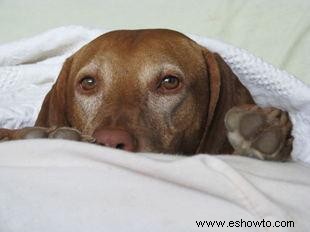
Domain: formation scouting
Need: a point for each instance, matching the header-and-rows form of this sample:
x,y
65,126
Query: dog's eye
x,y
88,83
169,82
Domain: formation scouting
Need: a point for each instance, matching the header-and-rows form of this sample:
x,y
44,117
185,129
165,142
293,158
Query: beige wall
x,y
27,17
276,30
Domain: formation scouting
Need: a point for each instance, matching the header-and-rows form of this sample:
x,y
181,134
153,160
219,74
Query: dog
x,y
157,90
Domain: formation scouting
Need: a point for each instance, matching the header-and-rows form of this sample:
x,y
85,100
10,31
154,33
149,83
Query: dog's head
x,y
146,90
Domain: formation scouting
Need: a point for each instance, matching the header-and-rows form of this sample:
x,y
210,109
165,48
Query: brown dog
x,y
157,91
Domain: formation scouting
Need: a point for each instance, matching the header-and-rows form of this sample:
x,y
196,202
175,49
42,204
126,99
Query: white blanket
x,y
64,186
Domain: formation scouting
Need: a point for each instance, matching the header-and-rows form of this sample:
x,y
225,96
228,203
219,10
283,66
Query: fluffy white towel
x,y
29,67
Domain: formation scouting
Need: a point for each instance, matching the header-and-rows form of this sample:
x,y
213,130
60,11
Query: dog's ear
x,y
53,110
226,91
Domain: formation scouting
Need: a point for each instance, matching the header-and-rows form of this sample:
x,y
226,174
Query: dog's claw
x,y
65,133
264,133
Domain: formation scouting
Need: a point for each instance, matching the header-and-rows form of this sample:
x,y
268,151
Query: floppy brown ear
x,y
226,91
53,109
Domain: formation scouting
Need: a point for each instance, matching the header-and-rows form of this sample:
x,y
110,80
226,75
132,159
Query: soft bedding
x,y
70,186
66,186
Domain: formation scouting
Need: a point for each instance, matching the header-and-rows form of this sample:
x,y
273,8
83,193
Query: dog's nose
x,y
119,139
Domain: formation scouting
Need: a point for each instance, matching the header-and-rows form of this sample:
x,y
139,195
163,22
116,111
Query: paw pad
x,y
260,132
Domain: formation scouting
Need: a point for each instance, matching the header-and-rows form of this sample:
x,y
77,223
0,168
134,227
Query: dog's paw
x,y
5,134
69,134
264,133
42,132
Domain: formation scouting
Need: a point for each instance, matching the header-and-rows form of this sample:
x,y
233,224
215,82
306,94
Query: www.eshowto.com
x,y
245,224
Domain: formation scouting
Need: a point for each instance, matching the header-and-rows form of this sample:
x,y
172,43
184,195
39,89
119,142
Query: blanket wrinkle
x,y
29,67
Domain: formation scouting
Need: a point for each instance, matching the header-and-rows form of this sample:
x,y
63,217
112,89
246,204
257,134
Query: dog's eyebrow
x,y
149,72
153,69
89,69
172,68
